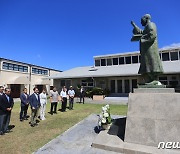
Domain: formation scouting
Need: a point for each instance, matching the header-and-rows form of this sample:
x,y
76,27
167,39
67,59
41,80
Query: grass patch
x,y
25,139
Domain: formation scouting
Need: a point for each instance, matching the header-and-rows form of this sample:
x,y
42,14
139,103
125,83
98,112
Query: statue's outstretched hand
x,y
132,23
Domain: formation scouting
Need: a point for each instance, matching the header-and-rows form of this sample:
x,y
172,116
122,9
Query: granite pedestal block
x,y
153,117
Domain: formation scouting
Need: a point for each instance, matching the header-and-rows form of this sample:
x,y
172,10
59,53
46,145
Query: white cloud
x,y
171,46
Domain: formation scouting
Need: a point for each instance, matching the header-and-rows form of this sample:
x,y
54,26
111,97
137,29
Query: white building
x,y
119,72
18,75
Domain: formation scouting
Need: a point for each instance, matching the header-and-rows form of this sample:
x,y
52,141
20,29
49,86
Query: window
x,y
128,60
103,62
165,56
163,80
15,67
97,62
87,82
134,59
25,68
174,55
20,68
39,71
173,84
109,62
10,67
5,66
121,60
115,61
62,83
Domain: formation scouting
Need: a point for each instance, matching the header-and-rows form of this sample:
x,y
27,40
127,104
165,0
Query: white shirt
x,y
36,96
1,93
63,94
82,89
43,98
71,92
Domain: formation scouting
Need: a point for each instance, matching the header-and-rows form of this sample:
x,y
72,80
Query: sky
x,y
63,34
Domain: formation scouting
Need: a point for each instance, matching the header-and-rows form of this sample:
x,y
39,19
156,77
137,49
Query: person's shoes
x,y
32,125
21,120
2,133
55,112
25,118
50,113
8,131
35,124
37,121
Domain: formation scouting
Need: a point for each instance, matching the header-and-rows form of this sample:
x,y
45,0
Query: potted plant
x,y
98,93
105,119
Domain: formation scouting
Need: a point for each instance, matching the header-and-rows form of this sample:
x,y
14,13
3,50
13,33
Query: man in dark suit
x,y
6,105
24,105
34,101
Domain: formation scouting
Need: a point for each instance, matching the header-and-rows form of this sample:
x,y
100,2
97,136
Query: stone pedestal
x,y
153,116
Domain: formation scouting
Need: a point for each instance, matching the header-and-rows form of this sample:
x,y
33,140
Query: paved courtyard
x,y
76,140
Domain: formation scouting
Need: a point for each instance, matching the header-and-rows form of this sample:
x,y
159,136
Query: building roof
x,y
170,67
29,64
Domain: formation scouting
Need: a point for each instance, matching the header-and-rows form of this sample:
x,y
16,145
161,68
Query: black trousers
x,y
64,104
71,102
4,122
82,98
23,113
53,107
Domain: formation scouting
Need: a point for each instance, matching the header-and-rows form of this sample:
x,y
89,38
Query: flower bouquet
x,y
105,118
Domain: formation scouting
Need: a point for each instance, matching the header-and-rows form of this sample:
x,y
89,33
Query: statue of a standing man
x,y
150,63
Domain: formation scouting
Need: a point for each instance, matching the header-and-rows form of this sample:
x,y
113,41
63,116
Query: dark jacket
x,y
34,102
24,100
4,104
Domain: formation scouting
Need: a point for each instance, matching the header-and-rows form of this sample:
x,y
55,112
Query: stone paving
x,y
76,140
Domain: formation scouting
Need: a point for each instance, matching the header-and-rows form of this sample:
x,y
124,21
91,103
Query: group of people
x,y
37,103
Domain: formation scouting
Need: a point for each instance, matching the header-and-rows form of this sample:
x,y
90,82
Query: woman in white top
x,y
43,101
63,95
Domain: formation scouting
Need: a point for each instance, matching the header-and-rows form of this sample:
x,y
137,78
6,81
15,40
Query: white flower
x,y
103,120
107,106
106,115
103,109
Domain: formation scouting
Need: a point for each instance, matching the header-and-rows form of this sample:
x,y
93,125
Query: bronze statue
x,y
150,63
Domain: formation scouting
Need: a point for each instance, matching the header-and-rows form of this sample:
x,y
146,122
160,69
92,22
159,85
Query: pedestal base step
x,y
114,143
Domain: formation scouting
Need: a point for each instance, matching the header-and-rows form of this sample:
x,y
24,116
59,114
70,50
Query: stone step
x,y
113,143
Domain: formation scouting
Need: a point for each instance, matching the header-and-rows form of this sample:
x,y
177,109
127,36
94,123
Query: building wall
x,y
18,80
120,85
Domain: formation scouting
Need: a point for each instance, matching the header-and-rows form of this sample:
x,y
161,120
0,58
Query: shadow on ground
x,y
121,123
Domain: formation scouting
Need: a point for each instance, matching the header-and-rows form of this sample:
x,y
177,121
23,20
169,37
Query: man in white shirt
x,y
63,99
71,94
